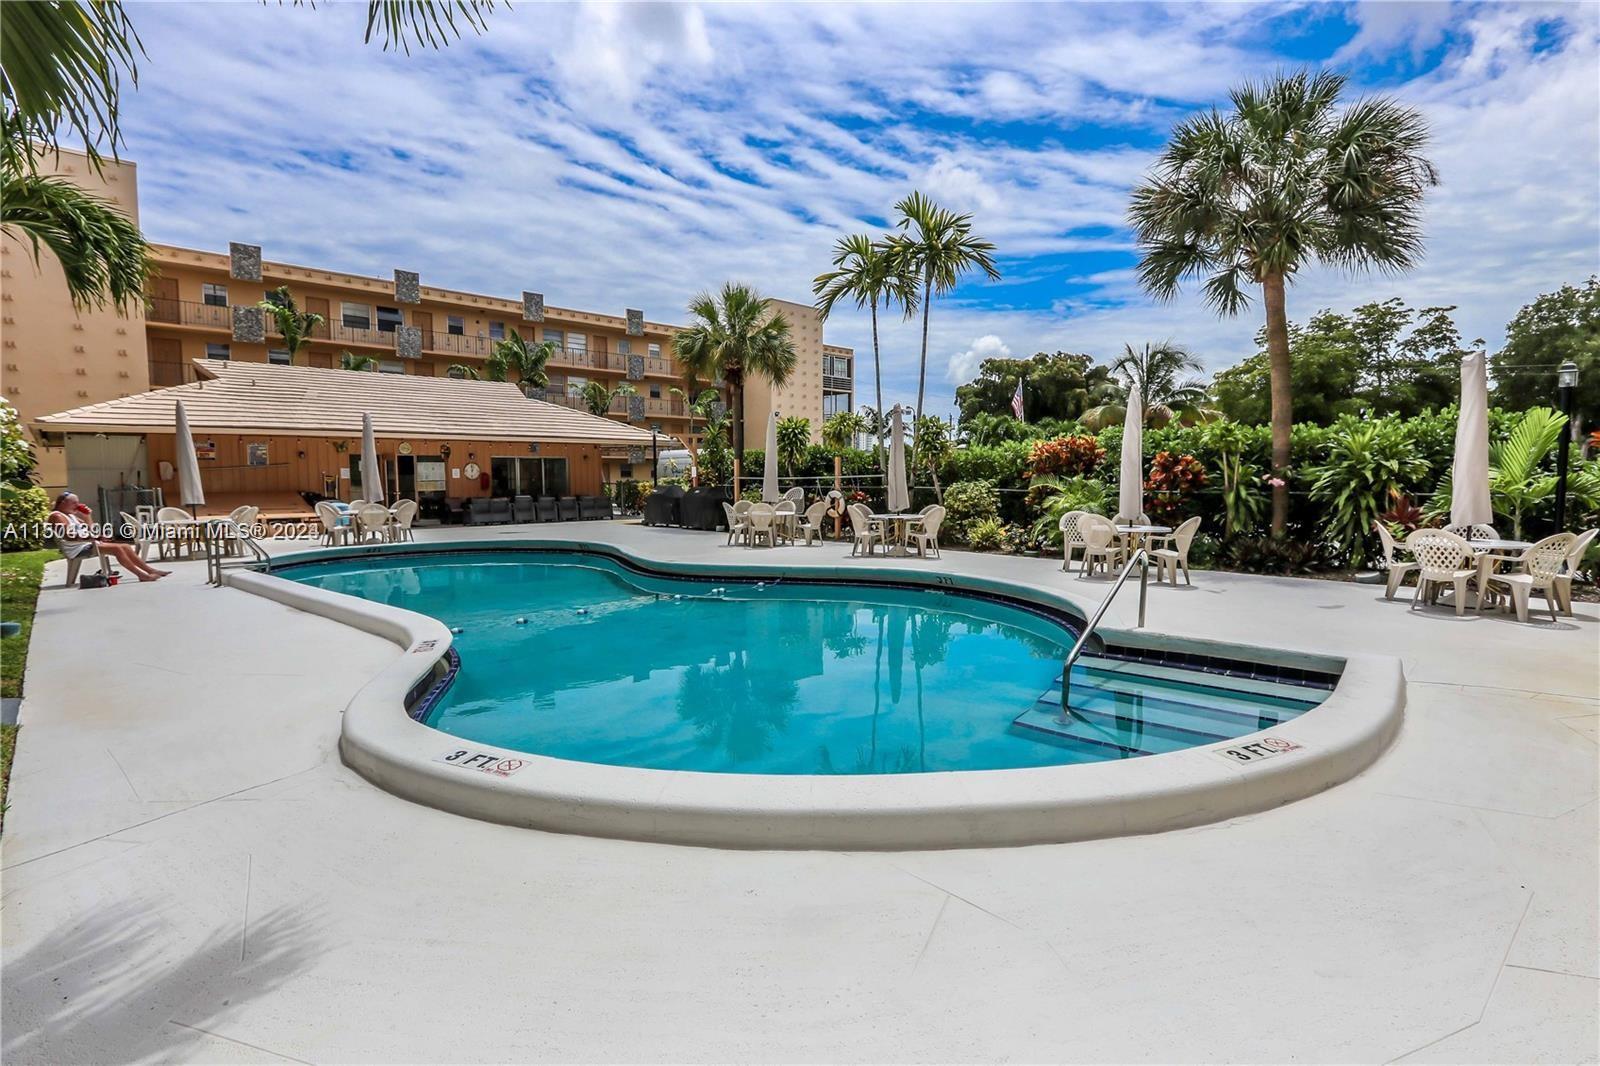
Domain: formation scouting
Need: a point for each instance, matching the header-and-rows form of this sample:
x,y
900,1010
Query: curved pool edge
x,y
971,808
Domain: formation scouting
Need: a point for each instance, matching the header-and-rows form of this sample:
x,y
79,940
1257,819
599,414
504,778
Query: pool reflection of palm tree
x,y
736,708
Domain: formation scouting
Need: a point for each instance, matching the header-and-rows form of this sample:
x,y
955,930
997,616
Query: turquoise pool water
x,y
574,656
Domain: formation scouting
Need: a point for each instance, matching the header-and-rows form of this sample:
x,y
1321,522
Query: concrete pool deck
x,y
190,874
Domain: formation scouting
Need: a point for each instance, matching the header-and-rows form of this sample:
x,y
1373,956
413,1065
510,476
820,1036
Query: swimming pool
x,y
577,656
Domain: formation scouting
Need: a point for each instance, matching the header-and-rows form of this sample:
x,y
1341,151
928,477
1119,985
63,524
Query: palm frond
x,y
430,23
102,253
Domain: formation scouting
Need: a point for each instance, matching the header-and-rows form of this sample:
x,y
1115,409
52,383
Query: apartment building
x,y
205,305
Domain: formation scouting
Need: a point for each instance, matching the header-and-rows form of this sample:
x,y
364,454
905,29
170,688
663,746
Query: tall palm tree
x,y
295,325
62,63
1162,373
937,247
865,272
1283,180
526,358
736,334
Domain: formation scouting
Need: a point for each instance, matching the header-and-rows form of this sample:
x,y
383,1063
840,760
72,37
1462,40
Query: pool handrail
x,y
1140,557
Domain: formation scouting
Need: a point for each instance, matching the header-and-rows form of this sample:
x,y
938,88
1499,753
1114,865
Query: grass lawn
x,y
20,573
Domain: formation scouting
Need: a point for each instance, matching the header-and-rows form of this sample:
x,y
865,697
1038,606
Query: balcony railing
x,y
831,383
189,313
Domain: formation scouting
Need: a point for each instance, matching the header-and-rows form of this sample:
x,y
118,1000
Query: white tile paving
x,y
190,874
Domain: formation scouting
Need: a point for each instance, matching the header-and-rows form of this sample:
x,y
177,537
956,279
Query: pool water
x,y
574,656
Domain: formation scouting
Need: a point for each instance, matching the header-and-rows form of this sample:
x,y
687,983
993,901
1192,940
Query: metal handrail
x,y
1141,557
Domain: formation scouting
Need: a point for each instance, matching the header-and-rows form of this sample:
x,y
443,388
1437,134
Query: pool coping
x,y
968,808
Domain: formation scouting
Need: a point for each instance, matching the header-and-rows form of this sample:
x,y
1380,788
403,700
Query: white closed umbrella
x,y
191,493
769,467
899,494
1130,481
371,471
1469,472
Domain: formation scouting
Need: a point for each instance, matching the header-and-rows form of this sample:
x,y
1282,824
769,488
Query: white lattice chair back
x,y
1544,559
1439,552
1474,532
1072,528
797,495
742,507
786,506
727,511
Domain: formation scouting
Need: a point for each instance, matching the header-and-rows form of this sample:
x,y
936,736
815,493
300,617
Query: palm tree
x,y
597,398
794,437
866,272
295,325
1282,181
935,246
841,429
525,357
1161,371
736,334
61,68
463,372
352,361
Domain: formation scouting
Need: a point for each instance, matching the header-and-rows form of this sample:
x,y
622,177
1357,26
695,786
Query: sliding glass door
x,y
517,475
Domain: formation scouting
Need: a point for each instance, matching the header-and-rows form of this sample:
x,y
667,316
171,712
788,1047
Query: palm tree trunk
x,y
877,374
738,432
922,368
1282,397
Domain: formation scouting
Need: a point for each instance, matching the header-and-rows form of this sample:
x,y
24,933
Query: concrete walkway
x,y
190,874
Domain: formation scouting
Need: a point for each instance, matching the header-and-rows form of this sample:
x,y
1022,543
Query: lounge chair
x,y
1175,552
1563,581
1397,568
1443,558
545,509
594,508
522,508
1540,566
567,508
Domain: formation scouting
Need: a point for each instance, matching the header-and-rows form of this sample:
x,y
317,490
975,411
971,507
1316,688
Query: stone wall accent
x,y
635,368
244,261
408,342
635,323
532,306
249,324
635,408
407,287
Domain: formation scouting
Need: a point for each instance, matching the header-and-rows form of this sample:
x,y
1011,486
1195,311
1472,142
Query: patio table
x,y
1139,534
1488,556
899,519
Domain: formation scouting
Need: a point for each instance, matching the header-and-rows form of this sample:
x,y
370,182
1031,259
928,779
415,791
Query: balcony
x,y
189,313
831,383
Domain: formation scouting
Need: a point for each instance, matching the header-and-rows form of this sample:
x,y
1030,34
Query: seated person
x,y
73,535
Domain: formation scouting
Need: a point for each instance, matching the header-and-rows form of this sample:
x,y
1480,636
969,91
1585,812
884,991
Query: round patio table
x,y
1139,534
1487,559
899,519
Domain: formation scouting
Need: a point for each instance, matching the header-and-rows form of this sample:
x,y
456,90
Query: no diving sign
x,y
485,762
1256,750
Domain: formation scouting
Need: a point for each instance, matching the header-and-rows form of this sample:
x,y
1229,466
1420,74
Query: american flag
x,y
1016,399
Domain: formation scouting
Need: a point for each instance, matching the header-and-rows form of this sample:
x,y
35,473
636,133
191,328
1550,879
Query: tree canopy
x,y
1554,328
1058,385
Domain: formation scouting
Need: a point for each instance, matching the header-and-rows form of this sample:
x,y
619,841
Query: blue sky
x,y
618,156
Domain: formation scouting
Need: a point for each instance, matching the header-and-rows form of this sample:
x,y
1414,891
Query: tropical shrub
x,y
1521,484
794,437
1367,461
1403,516
23,513
986,535
1274,555
966,503
1062,495
1170,482
1065,456
1018,539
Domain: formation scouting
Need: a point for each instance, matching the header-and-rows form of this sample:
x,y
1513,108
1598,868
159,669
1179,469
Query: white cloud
x,y
964,365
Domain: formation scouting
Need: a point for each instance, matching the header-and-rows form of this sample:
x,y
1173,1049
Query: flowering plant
x,y
1171,481
1065,456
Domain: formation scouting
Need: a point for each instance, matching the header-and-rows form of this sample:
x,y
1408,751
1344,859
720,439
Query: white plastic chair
x,y
865,531
811,521
1477,532
1071,536
761,518
372,521
1442,559
738,528
784,523
923,533
143,535
1397,568
1178,554
1563,581
797,496
1540,566
1101,549
333,531
175,531
405,513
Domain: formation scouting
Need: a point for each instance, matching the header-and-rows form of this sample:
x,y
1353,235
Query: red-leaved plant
x,y
1170,483
1065,456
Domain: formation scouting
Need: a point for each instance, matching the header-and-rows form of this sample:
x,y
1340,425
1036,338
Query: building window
x,y
577,342
839,368
834,402
214,295
655,351
624,347
216,351
455,325
278,356
576,385
389,318
626,471
655,392
497,331
355,316
556,337
391,366
275,298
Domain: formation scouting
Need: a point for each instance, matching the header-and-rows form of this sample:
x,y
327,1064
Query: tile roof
x,y
263,398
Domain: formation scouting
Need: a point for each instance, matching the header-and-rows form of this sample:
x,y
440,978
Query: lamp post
x,y
1566,381
655,455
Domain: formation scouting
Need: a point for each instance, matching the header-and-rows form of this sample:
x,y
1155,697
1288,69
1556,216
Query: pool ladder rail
x,y
1141,559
